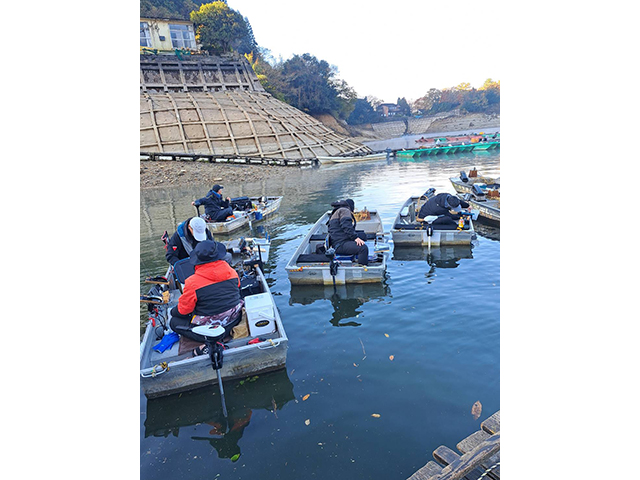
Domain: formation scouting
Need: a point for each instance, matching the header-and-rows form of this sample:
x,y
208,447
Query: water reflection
x,y
445,256
487,229
345,299
203,408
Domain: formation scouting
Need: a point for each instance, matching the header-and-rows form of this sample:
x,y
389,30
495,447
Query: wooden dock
x,y
193,157
480,456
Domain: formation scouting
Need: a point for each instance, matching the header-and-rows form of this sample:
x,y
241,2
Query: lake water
x,y
418,350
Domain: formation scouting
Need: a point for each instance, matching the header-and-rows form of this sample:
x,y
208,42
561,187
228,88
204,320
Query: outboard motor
x,y
430,193
463,177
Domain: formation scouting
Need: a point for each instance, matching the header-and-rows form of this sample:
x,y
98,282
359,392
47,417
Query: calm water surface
x,y
436,315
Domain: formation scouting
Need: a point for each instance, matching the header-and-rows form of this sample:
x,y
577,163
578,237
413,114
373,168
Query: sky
x,y
384,49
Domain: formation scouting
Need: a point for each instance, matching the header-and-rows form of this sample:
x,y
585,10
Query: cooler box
x,y
260,315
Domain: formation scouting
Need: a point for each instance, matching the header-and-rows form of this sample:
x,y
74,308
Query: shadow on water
x,y
345,299
487,230
203,408
441,257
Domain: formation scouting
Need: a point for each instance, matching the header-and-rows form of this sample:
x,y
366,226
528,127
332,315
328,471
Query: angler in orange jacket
x,y
211,296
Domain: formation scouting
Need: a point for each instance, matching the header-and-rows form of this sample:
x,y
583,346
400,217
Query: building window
x,y
182,36
145,36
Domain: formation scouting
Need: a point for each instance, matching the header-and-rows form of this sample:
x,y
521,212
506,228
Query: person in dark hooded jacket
x,y
215,207
188,234
342,232
445,206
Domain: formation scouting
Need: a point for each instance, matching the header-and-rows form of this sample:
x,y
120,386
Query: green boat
x,y
447,149
486,145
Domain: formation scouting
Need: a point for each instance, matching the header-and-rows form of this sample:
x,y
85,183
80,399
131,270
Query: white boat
x,y
308,267
353,158
407,231
262,207
176,370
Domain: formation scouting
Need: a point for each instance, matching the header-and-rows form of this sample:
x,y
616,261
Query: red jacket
x,y
213,289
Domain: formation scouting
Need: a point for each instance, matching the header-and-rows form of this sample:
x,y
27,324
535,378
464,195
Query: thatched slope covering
x,y
188,106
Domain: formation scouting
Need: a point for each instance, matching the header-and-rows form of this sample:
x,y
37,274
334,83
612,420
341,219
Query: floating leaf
x,y
375,415
307,421
305,397
391,357
386,335
235,457
476,410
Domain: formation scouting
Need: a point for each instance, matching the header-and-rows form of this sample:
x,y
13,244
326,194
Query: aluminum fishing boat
x,y
408,231
306,266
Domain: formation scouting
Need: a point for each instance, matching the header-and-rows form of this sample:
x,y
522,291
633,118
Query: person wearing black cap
x,y
211,296
215,207
342,232
185,238
445,206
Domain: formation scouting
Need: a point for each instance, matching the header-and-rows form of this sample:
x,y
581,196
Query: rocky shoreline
x,y
174,173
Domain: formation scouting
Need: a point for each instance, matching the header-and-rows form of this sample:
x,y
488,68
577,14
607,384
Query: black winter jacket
x,y
436,206
342,225
213,203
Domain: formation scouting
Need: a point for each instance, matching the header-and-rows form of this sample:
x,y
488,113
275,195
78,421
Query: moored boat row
x,y
450,148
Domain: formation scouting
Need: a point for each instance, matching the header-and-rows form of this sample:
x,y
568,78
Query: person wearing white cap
x,y
188,234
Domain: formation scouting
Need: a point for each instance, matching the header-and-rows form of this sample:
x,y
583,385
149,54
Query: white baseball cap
x,y
199,228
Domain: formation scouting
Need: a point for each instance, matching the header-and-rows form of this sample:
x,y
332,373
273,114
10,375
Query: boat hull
x,y
488,209
360,158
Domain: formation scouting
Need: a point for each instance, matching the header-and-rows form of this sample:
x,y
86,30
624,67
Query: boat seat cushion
x,y
320,258
183,269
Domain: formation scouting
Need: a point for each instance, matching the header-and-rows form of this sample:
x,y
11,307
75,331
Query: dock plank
x,y
446,456
469,462
430,470
492,424
474,440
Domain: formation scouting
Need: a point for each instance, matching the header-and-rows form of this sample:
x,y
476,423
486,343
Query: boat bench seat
x,y
416,226
320,237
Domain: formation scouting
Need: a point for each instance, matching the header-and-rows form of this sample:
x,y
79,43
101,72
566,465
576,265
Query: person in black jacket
x,y
445,206
188,234
215,207
342,232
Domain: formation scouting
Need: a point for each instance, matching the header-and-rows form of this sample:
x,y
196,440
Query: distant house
x,y
167,35
388,109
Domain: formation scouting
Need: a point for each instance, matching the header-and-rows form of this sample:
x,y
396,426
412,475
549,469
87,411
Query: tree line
x,y
304,81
